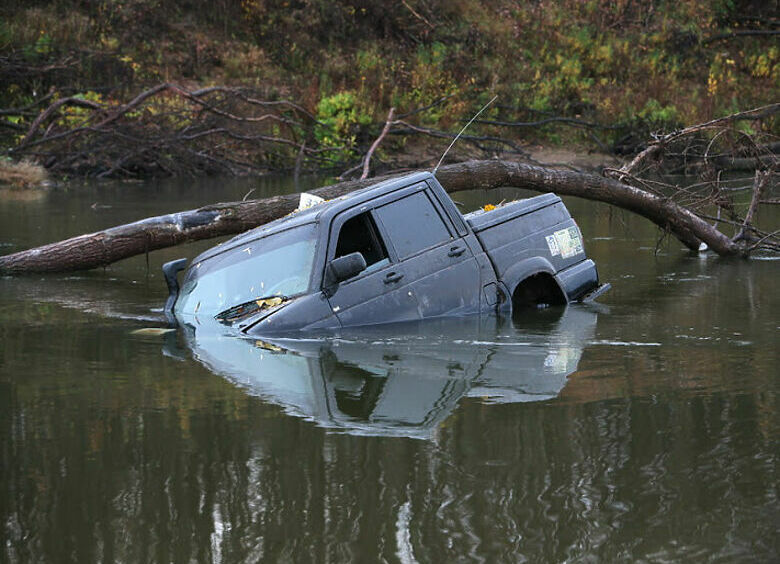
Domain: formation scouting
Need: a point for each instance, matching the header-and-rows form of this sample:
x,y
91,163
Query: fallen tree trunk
x,y
105,247
102,248
681,222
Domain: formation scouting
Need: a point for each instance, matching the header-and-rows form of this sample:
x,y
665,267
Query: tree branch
x,y
375,144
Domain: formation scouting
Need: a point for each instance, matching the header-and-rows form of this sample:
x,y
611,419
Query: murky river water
x,y
644,429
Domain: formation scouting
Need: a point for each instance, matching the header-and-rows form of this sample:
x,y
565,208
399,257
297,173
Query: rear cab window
x,y
413,224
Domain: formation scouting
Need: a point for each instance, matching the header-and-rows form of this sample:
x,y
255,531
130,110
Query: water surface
x,y
644,429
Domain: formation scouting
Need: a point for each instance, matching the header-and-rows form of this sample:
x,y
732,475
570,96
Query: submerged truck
x,y
396,251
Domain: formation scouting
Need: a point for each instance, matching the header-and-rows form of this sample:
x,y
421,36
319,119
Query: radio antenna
x,y
461,132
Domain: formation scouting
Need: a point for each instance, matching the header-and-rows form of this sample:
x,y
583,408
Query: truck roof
x,y
319,212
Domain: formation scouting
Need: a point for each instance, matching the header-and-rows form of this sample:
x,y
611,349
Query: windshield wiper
x,y
242,311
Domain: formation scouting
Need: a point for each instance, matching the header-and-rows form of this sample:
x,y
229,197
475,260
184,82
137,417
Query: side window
x,y
359,234
413,224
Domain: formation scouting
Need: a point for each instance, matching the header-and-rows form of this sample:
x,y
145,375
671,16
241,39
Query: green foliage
x,y
43,45
74,116
723,9
659,117
6,35
765,64
342,118
642,64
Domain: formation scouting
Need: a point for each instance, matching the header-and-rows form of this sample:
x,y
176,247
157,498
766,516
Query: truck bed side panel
x,y
519,238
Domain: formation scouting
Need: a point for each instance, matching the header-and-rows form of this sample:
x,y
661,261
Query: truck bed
x,y
535,235
480,220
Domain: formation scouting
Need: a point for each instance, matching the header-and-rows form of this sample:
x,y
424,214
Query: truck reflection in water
x,y
404,380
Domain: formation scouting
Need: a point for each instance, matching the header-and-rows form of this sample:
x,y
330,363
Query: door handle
x,y
393,277
456,251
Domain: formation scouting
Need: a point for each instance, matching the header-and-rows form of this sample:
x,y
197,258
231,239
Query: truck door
x,y
379,294
442,271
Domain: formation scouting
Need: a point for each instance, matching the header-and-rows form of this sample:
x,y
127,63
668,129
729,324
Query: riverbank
x,y
567,74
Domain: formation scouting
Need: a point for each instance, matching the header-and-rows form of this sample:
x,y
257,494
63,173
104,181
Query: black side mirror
x,y
170,271
344,268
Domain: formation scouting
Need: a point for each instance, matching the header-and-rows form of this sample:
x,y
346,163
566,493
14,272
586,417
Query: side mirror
x,y
170,271
344,268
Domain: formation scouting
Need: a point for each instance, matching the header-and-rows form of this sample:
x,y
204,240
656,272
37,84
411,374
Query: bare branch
x,y
48,112
654,149
759,184
740,33
375,144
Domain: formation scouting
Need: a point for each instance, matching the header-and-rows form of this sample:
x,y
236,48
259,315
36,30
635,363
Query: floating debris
x,y
268,346
152,331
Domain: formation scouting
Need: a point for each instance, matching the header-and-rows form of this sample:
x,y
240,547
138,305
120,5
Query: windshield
x,y
277,265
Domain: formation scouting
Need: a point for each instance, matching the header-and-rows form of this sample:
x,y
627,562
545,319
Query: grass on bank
x,y
21,174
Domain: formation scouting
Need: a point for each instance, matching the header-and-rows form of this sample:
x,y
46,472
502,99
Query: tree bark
x,y
105,247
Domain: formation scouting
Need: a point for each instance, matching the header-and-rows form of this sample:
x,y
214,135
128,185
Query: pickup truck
x,y
396,251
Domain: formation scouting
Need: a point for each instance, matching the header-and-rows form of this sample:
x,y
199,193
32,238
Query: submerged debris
x,y
152,331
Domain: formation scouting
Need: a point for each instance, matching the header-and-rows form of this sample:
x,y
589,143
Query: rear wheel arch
x,y
539,289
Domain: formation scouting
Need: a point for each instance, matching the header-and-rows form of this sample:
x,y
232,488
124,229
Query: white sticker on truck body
x,y
566,242
553,244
